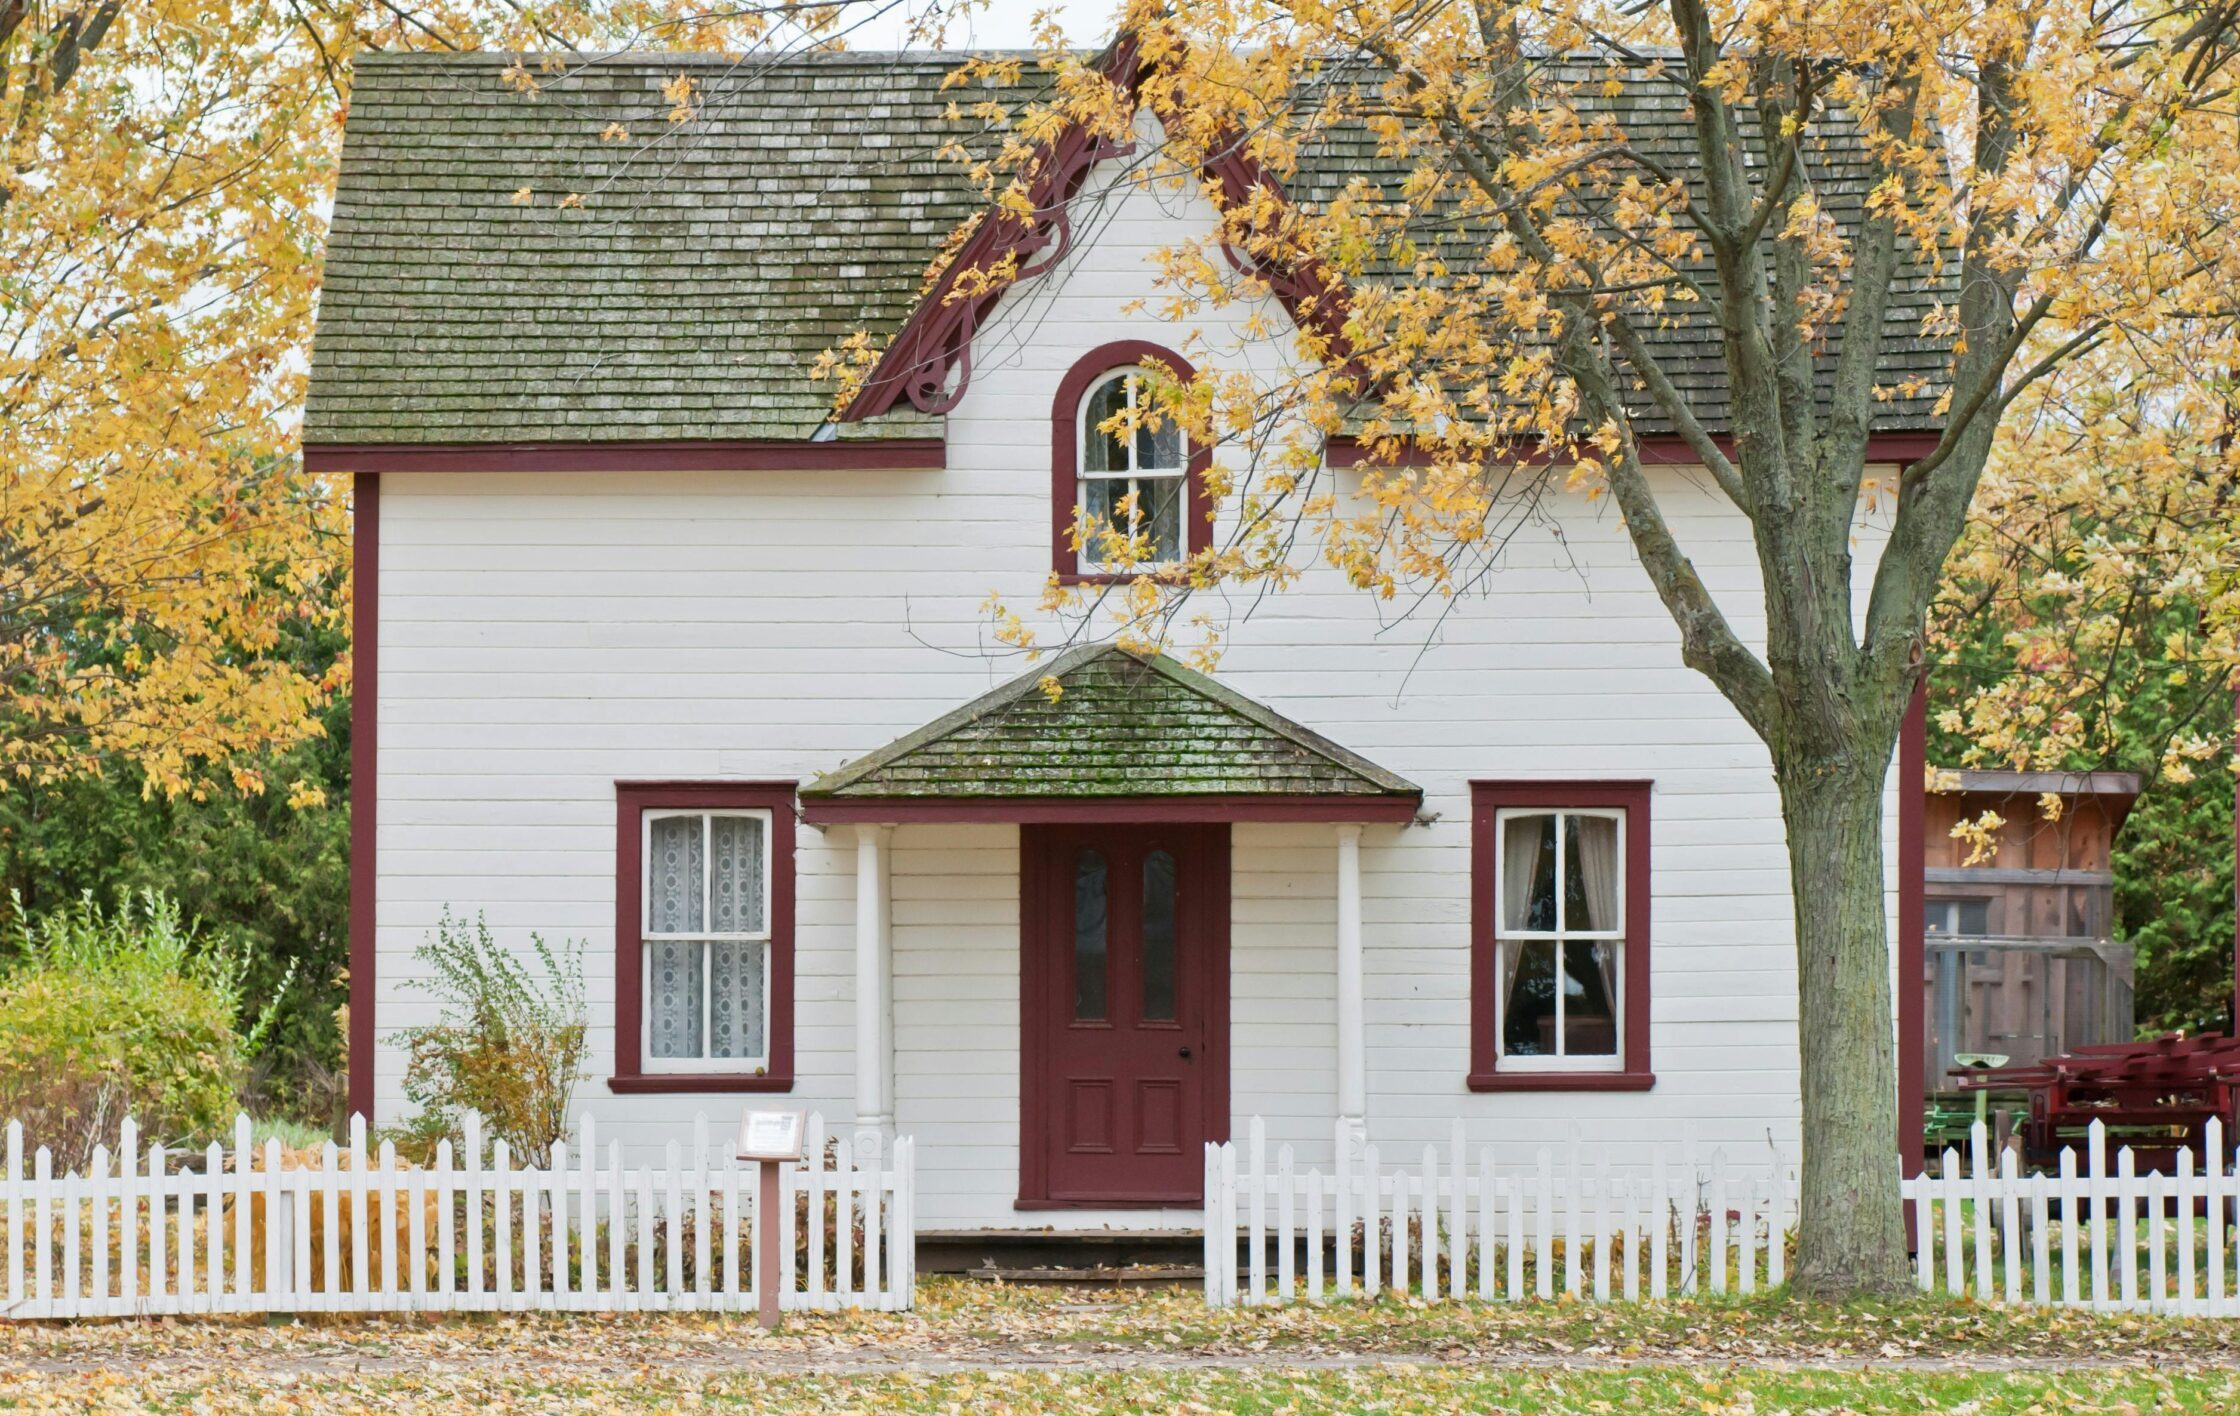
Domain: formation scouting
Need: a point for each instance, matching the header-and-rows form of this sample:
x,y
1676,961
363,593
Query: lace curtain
x,y
705,993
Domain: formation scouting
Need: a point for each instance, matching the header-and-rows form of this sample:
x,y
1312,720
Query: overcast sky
x,y
1005,24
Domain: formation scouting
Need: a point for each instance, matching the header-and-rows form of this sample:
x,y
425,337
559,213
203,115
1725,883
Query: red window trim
x,y
632,800
1486,798
1065,457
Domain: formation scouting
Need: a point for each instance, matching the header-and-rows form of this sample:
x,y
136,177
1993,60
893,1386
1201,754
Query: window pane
x,y
1088,937
1158,936
1590,983
735,1012
1528,1010
674,987
1528,873
674,875
736,886
1158,448
1101,451
1975,917
1591,866
1159,503
1103,505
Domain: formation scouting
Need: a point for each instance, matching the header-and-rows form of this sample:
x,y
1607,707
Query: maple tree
x,y
164,169
1486,318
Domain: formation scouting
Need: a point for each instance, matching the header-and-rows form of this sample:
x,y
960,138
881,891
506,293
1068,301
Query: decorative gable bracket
x,y
929,361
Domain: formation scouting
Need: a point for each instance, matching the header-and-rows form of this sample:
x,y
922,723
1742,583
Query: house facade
x,y
658,654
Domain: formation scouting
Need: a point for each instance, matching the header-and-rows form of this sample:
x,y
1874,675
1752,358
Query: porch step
x,y
1091,1251
1097,1276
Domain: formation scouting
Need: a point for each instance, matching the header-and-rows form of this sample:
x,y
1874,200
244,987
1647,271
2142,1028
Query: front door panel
x,y
1124,1056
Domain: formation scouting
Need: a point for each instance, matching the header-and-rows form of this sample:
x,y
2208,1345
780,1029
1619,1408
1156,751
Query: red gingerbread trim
x,y
929,361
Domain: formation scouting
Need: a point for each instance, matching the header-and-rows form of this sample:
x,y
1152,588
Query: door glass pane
x,y
1590,981
1088,937
1529,1003
735,1014
1528,873
674,875
673,988
1158,937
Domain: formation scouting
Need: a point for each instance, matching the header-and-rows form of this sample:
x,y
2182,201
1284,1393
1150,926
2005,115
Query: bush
x,y
107,1014
507,1047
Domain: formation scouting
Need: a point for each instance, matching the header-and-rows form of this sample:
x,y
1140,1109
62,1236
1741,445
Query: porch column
x,y
1353,1064
874,991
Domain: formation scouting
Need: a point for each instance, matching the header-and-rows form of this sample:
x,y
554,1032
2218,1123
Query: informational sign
x,y
771,1135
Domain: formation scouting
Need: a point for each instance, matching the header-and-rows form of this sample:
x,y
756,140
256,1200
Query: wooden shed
x,y
2020,961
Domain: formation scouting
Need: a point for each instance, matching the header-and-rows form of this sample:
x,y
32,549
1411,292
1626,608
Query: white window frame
x,y
1504,938
1086,562
706,938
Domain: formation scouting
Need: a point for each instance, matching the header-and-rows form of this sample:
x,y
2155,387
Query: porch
x,y
1095,832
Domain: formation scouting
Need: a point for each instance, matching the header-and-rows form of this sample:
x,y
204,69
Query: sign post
x,y
769,1138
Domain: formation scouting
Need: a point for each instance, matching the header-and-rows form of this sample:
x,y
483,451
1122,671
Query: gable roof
x,y
1124,725
714,259
710,263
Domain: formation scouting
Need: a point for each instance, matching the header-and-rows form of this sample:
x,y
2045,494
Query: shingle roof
x,y
1123,725
713,260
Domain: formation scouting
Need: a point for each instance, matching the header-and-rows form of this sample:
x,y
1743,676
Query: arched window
x,y
1148,484
1130,485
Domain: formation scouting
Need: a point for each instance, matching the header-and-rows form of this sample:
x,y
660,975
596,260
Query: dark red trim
x,y
1563,1081
632,799
1663,451
1065,456
929,361
1039,988
1486,798
833,811
1913,759
680,455
365,763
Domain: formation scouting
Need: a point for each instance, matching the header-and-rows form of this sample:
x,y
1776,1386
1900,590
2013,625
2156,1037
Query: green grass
x,y
1386,1389
982,1351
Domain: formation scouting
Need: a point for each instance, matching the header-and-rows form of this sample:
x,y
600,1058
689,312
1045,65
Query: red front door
x,y
1124,1058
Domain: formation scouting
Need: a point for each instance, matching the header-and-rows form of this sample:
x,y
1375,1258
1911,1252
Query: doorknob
x,y
1185,1052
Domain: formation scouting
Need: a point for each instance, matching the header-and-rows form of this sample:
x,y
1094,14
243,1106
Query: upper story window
x,y
1143,479
704,937
1560,959
1131,485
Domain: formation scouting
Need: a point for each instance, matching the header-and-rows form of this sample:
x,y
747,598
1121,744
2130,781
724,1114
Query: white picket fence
x,y
142,1234
2114,1239
1460,1227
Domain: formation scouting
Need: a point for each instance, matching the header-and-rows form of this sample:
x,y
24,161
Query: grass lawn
x,y
981,1351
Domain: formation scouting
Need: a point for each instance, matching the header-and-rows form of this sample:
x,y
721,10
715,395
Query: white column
x,y
1353,1061
874,991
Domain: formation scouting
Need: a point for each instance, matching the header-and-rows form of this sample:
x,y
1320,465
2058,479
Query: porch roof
x,y
1127,736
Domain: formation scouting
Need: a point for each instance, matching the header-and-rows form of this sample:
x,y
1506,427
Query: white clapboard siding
x,y
254,1230
544,635
1487,1223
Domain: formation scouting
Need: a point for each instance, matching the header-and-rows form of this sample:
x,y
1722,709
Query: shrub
x,y
110,1013
507,1047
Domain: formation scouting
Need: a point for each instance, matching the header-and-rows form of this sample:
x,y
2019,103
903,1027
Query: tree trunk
x,y
1851,1232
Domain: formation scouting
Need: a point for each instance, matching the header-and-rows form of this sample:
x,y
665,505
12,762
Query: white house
x,y
657,653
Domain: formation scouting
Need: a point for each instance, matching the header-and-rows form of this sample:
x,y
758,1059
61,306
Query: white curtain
x,y
735,887
674,875
1523,844
674,981
1596,843
735,993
